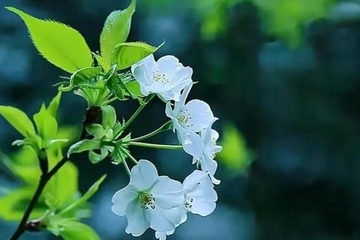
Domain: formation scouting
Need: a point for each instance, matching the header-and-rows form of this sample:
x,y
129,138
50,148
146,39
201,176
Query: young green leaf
x,y
108,116
102,62
54,105
15,203
18,119
96,130
24,165
73,230
134,89
84,145
82,77
116,30
46,124
62,187
126,54
89,193
96,158
58,43
116,86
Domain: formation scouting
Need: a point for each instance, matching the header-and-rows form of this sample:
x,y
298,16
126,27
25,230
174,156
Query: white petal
x,y
168,193
143,70
143,175
202,208
183,97
191,142
161,235
214,135
167,65
137,223
121,200
203,192
201,115
159,221
209,165
194,179
182,74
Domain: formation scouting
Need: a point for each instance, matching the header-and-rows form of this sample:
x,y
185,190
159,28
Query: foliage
x,y
236,155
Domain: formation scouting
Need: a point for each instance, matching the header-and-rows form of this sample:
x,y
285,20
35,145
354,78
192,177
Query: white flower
x,y
208,164
166,77
188,119
148,200
200,196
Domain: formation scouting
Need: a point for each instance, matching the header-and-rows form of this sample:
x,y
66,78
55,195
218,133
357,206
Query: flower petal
x,y
168,193
137,223
159,221
167,65
122,199
193,180
191,142
143,175
209,165
200,113
202,208
166,220
143,70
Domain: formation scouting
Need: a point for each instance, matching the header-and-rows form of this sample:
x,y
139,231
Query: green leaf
x,y
134,88
96,130
54,105
116,30
46,124
84,145
18,119
108,116
85,77
58,43
96,158
105,64
24,165
62,188
235,154
73,230
89,193
14,204
129,53
116,86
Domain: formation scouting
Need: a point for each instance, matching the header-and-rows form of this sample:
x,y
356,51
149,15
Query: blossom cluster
x,y
158,202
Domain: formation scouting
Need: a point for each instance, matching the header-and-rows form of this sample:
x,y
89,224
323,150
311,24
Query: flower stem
x,y
153,133
137,112
126,167
158,146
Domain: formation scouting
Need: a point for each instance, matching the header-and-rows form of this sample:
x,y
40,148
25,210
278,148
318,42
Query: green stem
x,y
107,102
131,157
153,133
158,146
137,112
126,168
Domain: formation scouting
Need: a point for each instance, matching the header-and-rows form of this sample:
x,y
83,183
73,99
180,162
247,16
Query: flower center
x,y
147,200
188,203
185,118
160,78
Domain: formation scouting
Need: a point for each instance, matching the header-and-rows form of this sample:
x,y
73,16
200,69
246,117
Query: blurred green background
x,y
283,76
